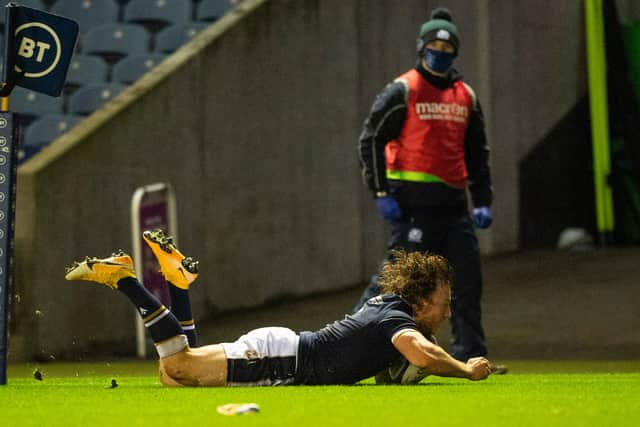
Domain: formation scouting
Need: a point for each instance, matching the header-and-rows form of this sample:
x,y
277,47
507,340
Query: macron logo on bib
x,y
442,111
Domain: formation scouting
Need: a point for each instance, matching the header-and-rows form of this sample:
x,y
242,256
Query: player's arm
x,y
433,360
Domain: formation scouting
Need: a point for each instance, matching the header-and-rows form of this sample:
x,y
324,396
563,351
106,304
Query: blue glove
x,y
388,208
482,217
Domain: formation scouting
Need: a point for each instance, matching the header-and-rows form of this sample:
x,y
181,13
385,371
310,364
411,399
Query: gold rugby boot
x,y
107,271
177,269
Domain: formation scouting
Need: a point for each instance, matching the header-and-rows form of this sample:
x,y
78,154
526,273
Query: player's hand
x,y
479,368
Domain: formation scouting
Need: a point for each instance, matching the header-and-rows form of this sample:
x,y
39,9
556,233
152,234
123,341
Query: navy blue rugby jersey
x,y
355,348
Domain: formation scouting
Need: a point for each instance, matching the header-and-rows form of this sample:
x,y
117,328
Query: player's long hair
x,y
414,275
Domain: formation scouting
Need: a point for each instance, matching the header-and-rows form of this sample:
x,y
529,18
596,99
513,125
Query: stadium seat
x,y
35,4
171,38
88,13
47,128
211,10
87,99
133,67
156,14
113,41
87,69
29,104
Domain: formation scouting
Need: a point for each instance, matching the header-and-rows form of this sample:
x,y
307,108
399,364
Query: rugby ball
x,y
401,372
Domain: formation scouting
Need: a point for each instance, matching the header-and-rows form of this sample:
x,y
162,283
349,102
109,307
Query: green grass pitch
x,y
533,393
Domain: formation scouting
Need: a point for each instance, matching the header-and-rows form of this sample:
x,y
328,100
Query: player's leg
x,y
179,272
462,252
265,356
117,272
262,357
196,367
179,364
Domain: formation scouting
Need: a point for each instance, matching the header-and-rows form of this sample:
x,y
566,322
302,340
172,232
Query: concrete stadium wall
x,y
255,125
538,75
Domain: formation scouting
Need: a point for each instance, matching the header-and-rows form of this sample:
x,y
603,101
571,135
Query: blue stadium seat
x,y
171,38
35,4
155,14
211,10
133,67
29,104
87,69
47,128
87,99
113,41
88,13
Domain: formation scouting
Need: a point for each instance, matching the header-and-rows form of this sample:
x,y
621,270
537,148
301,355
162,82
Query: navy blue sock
x,y
160,322
181,308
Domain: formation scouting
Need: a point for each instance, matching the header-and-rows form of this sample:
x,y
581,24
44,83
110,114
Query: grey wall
x,y
255,125
538,74
256,132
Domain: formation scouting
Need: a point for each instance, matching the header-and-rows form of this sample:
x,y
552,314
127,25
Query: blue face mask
x,y
438,60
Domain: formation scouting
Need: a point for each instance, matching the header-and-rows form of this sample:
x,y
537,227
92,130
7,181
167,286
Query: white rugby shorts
x,y
262,357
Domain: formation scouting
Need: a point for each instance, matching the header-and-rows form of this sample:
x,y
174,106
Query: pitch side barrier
x,y
8,149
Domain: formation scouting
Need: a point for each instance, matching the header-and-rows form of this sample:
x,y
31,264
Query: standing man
x,y
422,146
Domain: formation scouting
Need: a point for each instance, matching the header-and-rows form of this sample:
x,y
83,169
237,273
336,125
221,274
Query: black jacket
x,y
385,123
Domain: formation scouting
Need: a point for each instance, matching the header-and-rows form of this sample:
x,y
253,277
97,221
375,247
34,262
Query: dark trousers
x,y
453,237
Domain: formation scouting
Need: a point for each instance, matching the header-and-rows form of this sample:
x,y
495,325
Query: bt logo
x,y
40,48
